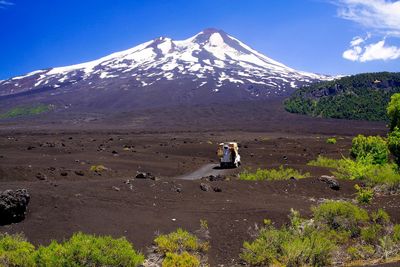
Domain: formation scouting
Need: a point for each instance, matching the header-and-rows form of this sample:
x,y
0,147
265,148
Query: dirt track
x,y
54,165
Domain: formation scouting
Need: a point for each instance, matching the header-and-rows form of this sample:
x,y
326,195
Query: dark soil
x,y
53,162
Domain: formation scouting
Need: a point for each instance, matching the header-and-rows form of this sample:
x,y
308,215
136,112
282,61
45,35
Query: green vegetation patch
x,y
26,111
331,141
80,250
181,248
338,231
359,97
272,174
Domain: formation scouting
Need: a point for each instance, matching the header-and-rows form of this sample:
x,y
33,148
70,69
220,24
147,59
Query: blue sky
x,y
322,36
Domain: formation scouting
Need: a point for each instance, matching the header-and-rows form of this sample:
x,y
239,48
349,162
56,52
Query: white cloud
x,y
379,51
4,4
382,18
374,51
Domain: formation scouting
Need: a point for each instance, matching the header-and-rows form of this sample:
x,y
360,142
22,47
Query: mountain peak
x,y
212,30
211,60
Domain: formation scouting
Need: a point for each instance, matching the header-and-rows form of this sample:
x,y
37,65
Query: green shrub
x,y
82,250
341,215
331,140
264,250
180,260
311,250
15,251
387,245
396,233
393,111
179,241
97,168
380,216
371,233
272,174
289,247
324,162
52,255
349,169
394,143
79,250
361,252
364,194
373,146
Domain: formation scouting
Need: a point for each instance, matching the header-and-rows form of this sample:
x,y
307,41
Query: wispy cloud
x,y
379,17
4,3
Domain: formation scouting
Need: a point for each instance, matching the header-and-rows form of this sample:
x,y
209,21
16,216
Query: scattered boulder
x,y
64,173
145,175
205,187
331,181
13,205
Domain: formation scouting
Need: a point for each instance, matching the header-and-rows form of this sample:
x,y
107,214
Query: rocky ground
x,y
66,196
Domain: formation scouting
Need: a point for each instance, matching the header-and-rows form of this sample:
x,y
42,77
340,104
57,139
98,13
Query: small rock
x,y
116,188
217,189
79,173
145,175
30,147
331,181
41,176
205,187
64,173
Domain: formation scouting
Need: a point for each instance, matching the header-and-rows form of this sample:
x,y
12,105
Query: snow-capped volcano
x,y
210,62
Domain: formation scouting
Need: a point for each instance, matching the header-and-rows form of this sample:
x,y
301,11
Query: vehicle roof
x,y
228,143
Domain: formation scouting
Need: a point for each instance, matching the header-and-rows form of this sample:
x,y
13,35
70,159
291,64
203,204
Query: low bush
x,y
370,146
364,194
396,233
79,250
179,241
272,174
180,260
394,143
324,162
386,175
341,216
15,251
97,168
331,141
371,233
265,249
360,252
380,217
338,231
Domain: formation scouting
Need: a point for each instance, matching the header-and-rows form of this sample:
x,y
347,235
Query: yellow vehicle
x,y
228,154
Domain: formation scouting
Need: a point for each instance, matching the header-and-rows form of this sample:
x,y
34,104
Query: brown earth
x,y
52,160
